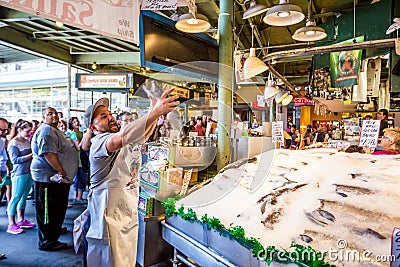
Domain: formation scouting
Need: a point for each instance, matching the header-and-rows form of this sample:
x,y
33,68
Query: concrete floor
x,y
22,251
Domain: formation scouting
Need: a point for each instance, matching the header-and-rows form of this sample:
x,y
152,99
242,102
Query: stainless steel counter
x,y
186,156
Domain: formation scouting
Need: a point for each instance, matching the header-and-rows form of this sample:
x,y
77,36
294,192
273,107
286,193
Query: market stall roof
x,y
40,37
337,105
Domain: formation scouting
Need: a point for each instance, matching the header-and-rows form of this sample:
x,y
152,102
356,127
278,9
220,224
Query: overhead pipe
x,y
302,52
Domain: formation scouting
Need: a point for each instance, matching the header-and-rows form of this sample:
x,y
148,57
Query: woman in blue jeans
x,y
81,177
20,153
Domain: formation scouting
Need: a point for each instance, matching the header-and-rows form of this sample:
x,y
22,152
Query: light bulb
x,y
59,24
192,21
310,32
94,66
283,14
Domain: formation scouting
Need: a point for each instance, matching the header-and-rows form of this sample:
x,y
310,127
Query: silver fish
x,y
368,231
306,238
154,90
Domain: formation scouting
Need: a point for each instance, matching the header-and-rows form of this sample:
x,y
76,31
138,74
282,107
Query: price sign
x,y
159,5
369,133
277,131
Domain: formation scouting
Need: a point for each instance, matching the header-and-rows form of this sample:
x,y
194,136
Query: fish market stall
x,y
344,204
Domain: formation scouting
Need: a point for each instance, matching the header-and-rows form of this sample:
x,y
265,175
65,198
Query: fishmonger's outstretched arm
x,y
138,130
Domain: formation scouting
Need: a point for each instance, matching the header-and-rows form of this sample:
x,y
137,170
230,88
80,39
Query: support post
x,y
225,83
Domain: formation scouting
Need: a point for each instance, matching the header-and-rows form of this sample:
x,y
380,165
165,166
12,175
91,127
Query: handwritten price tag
x,y
159,5
277,131
369,133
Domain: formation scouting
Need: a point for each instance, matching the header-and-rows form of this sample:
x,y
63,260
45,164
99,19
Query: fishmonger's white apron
x,y
113,233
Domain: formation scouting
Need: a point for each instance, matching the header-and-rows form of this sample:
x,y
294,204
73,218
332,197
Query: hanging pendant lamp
x,y
284,14
254,10
311,32
253,65
270,91
192,24
280,96
286,101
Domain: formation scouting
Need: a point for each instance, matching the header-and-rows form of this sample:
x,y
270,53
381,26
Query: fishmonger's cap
x,y
88,116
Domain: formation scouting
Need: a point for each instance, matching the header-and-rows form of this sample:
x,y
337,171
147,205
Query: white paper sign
x,y
114,18
260,101
277,131
338,144
159,4
369,133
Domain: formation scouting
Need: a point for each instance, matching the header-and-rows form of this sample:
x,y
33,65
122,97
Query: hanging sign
x,y
277,131
345,65
260,101
118,19
92,81
159,5
369,133
303,101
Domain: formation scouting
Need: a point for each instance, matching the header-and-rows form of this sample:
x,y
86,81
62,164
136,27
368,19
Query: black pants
x,y
57,202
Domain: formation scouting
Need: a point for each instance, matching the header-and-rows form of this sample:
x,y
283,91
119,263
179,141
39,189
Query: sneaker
x,y
26,224
14,229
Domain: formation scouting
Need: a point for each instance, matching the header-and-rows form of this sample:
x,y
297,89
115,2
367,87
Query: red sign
x,y
303,101
256,106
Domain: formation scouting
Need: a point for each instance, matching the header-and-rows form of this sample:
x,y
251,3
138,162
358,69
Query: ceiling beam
x,y
15,39
303,52
117,58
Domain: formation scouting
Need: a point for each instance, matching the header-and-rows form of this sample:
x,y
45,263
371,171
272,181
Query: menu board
x,y
277,131
369,133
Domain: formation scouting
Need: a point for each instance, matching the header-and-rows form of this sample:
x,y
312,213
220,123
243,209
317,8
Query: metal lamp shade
x,y
253,65
275,15
254,10
188,23
310,32
286,101
270,91
280,96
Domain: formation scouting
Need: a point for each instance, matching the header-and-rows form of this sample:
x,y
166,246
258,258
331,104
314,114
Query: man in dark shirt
x,y
320,134
382,115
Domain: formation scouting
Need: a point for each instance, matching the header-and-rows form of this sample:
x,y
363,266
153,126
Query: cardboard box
x,y
156,152
151,174
175,176
145,204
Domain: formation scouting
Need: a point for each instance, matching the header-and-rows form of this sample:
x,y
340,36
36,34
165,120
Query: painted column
x,y
225,83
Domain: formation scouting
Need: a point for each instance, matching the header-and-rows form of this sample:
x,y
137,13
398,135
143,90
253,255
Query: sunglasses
x,y
3,130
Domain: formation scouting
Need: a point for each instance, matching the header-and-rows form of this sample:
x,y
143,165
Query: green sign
x,y
345,65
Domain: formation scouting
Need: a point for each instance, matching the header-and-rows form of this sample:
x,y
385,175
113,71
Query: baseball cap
x,y
88,116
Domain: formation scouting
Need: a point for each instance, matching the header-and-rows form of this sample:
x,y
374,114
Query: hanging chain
x,y
252,35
